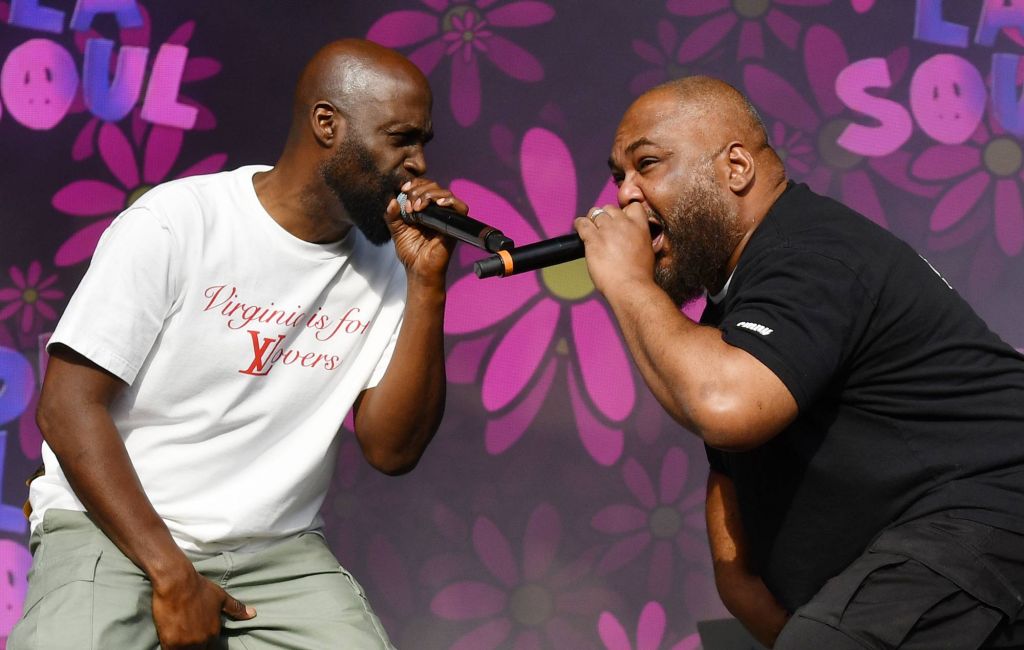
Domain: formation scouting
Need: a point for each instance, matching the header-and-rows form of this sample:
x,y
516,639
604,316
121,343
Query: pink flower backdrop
x,y
558,507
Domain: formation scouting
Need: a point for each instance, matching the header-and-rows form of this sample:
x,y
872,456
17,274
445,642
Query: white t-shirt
x,y
243,346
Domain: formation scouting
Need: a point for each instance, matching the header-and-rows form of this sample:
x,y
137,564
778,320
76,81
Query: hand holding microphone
x,y
451,223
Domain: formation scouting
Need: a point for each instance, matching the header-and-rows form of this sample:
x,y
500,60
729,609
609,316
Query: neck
x,y
300,202
751,213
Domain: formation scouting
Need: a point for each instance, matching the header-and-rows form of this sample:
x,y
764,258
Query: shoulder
x,y
178,202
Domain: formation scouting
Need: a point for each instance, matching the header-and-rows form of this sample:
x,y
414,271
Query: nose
x,y
629,192
416,162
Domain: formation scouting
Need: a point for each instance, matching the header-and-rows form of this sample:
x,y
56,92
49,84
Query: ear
x,y
740,168
328,123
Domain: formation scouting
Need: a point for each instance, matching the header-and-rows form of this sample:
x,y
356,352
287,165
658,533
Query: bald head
x,y
353,75
722,112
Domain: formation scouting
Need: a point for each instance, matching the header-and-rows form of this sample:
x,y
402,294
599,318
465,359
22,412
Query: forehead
x,y
398,100
658,119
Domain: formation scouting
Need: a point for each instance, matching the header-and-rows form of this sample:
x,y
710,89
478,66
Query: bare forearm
x,y
398,418
750,601
96,464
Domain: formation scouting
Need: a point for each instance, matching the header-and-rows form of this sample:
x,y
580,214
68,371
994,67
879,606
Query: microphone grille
x,y
403,201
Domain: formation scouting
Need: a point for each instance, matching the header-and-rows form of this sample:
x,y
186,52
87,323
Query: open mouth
x,y
657,234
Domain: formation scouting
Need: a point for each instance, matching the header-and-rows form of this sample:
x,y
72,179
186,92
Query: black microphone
x,y
459,226
531,257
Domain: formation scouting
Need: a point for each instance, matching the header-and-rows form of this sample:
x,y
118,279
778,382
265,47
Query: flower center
x,y
532,605
830,150
568,281
665,522
29,296
1003,157
460,11
136,194
751,8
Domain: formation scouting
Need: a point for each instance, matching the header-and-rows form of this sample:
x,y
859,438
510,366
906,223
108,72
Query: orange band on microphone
x,y
506,260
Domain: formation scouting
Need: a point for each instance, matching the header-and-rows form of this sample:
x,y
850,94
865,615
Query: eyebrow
x,y
633,146
424,135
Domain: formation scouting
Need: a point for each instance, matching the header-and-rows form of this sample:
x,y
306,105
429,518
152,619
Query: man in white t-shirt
x,y
200,375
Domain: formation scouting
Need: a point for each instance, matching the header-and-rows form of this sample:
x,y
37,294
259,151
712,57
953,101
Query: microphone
x,y
448,221
531,257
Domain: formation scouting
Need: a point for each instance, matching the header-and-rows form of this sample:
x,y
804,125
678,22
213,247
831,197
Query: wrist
x,y
170,573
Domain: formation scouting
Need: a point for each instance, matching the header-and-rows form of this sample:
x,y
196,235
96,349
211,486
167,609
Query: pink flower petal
x,y
825,57
464,601
27,318
668,36
209,165
513,60
199,68
465,90
696,7
701,40
528,640
619,518
895,169
691,641
1009,217
486,637
604,364
549,177
117,153
695,308
495,552
540,542
35,269
518,356
623,552
859,193
958,201
474,305
162,150
499,212
436,5
659,575
503,432
10,294
784,27
89,198
403,28
183,34
639,483
17,277
83,145
648,52
751,41
651,627
11,309
673,474
80,246
647,80
525,13
603,443
611,633
803,3
426,57
465,359
944,161
777,98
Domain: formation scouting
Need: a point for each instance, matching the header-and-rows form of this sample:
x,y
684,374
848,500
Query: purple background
x,y
558,506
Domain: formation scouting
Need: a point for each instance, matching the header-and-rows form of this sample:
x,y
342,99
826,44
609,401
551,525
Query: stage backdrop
x,y
558,506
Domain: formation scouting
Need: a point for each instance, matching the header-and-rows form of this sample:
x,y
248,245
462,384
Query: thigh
x,y
303,598
884,601
83,592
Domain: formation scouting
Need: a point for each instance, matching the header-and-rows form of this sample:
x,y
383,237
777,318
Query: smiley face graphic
x,y
38,83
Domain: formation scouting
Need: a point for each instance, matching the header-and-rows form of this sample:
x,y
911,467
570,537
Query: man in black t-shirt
x,y
865,428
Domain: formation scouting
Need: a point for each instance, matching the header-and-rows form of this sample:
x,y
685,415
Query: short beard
x,y
363,191
702,230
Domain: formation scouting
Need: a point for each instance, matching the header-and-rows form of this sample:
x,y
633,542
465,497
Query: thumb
x,y
236,610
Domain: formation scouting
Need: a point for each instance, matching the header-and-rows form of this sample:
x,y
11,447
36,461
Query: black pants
x,y
937,583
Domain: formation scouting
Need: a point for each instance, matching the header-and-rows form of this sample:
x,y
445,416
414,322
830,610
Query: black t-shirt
x,y
908,403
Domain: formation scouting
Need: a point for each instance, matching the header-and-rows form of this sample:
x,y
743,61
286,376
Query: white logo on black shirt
x,y
755,327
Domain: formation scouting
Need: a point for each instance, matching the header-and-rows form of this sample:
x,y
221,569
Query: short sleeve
x,y
799,313
119,308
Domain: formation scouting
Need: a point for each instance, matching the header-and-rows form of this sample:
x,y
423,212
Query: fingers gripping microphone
x,y
531,257
459,226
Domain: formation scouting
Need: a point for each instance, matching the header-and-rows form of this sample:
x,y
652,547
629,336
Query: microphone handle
x,y
531,257
465,229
